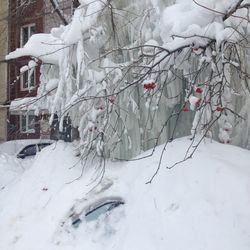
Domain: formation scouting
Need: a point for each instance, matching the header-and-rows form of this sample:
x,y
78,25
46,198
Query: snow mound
x,y
202,203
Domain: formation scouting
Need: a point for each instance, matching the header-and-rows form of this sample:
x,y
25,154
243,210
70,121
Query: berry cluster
x,y
149,86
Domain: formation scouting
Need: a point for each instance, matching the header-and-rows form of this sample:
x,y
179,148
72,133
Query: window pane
x,y
23,123
25,78
32,30
27,123
25,35
95,213
29,150
32,78
28,79
43,145
31,122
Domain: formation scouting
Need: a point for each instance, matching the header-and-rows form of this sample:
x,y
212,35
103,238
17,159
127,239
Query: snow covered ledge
x,y
45,47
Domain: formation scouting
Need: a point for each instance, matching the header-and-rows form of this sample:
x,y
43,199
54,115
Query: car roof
x,y
13,147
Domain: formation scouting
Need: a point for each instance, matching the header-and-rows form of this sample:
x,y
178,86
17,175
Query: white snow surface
x,y
45,47
23,104
202,203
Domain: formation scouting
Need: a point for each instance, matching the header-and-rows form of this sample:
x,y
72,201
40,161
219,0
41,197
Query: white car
x,y
24,148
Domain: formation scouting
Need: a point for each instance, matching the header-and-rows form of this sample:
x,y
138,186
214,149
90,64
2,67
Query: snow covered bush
x,y
133,74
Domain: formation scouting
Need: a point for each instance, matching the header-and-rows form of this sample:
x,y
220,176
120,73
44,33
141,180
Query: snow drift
x,y
202,203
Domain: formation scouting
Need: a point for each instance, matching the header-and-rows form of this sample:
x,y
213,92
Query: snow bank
x,y
10,169
200,204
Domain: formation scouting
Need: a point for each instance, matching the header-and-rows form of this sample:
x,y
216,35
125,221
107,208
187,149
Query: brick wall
x,y
21,16
31,14
41,14
3,66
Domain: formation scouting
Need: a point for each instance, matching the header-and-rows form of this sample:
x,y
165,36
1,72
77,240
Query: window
x,y
27,151
102,209
94,211
27,123
43,145
26,32
28,79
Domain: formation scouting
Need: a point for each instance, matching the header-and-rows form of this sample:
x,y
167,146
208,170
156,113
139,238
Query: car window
x,y
96,210
43,145
28,150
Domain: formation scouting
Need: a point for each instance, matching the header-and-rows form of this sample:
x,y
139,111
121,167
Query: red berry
x,y
151,85
111,100
220,109
198,103
185,109
199,90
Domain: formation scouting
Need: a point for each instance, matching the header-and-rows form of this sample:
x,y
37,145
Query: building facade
x,y
25,19
3,68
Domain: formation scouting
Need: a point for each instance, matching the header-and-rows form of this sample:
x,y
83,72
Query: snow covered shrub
x,y
133,74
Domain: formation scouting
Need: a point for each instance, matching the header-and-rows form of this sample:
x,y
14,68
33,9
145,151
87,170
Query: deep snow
x,y
202,203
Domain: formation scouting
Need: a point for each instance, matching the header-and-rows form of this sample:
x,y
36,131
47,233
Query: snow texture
x,y
85,74
202,203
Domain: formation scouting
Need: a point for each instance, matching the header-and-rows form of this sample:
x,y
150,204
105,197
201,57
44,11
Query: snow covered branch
x,y
133,75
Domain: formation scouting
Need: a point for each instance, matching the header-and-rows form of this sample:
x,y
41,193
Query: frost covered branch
x,y
56,7
132,75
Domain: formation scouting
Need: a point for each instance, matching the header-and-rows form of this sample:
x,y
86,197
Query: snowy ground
x,y
200,204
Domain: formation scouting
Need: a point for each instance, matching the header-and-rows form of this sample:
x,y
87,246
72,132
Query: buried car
x,y
24,148
99,216
93,211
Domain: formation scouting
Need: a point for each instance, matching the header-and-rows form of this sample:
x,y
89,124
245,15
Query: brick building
x,y
3,68
25,19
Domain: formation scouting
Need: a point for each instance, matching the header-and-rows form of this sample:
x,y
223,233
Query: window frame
x,y
23,81
29,26
27,125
